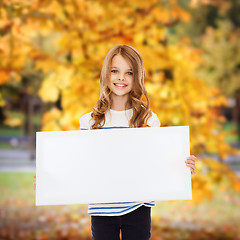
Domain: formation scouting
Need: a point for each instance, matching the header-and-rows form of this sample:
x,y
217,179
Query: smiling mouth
x,y
120,85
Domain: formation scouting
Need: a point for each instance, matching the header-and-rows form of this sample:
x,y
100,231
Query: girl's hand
x,y
34,182
190,162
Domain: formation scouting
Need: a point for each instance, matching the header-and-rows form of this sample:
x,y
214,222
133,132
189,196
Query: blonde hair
x,y
141,110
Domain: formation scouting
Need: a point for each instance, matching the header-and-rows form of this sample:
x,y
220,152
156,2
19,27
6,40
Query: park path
x,y
17,160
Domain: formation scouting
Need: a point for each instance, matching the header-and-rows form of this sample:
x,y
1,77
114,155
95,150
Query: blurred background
x,y
51,54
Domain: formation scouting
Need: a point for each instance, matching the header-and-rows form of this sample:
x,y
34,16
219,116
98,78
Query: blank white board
x,y
112,165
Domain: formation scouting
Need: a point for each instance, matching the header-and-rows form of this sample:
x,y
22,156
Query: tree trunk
x,y
237,112
30,128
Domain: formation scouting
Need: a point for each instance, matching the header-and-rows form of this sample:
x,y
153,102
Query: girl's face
x,y
121,73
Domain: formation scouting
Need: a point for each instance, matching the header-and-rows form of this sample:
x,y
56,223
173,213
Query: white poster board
x,y
112,165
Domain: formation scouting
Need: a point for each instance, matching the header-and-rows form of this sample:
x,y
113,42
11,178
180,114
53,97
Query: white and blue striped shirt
x,y
116,119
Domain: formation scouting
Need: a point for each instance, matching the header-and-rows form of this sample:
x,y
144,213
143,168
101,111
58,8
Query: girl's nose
x,y
121,78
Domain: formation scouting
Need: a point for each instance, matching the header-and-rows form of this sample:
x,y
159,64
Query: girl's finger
x,y
191,165
193,157
190,161
192,170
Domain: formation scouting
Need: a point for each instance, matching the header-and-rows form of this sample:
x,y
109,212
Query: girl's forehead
x,y
119,60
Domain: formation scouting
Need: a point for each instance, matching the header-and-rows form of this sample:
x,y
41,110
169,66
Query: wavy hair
x,y
141,110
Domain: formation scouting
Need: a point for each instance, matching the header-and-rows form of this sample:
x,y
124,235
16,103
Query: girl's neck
x,y
120,104
120,107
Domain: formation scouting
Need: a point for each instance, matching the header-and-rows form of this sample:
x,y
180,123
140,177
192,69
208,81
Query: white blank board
x,y
112,165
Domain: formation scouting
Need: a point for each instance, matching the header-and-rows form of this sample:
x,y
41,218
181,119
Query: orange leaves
x,y
139,38
179,12
202,188
210,173
219,101
161,13
49,91
54,83
5,26
165,14
49,120
158,77
13,122
51,126
54,113
3,77
44,62
221,173
68,40
236,185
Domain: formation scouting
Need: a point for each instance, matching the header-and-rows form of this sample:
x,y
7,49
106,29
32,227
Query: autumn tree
x,y
75,38
217,34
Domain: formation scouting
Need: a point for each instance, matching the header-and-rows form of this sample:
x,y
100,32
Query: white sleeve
x,y
155,122
84,125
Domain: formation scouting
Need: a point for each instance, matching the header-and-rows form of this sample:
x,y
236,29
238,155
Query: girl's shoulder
x,y
85,121
153,121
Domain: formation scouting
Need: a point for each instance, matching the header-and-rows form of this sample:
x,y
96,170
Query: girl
x,y
121,106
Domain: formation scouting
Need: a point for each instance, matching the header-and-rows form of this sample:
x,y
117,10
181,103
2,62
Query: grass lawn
x,y
18,187
10,131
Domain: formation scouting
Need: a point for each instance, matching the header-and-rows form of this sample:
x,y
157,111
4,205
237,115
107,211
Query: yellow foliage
x,y
78,56
181,13
46,64
48,91
65,120
54,82
68,43
236,184
2,101
13,122
202,188
51,126
51,115
3,77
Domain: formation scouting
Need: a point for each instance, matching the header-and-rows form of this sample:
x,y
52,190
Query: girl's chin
x,y
120,93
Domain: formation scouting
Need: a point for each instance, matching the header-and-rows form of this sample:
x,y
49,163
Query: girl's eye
x,y
115,71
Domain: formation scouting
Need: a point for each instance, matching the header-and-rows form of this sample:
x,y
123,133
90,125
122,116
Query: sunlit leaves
x,y
13,122
49,90
68,40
